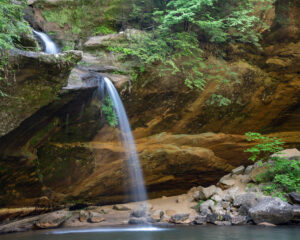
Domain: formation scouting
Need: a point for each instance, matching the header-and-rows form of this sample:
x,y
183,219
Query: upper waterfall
x,y
50,46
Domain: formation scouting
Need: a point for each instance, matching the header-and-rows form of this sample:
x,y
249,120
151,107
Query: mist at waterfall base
x,y
137,185
49,46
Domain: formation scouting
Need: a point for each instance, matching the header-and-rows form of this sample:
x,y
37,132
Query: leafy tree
x,y
12,24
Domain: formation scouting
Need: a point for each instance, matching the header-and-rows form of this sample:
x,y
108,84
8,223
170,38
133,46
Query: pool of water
x,y
170,233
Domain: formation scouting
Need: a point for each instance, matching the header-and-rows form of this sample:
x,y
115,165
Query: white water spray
x,y
50,46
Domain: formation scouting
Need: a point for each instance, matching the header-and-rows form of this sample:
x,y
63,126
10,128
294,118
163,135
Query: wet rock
x,y
295,197
272,210
222,223
95,217
205,212
238,170
238,220
121,208
211,218
200,220
179,218
138,221
53,220
83,216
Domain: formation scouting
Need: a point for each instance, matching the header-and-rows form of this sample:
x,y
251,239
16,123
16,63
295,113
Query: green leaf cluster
x,y
12,24
108,109
282,175
265,146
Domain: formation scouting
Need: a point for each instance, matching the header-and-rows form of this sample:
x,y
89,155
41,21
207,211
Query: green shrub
x,y
109,111
12,24
282,175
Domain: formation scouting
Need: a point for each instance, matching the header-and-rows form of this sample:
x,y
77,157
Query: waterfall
x,y
50,46
137,184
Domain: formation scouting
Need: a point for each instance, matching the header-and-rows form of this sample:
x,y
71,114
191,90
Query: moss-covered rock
x,y
31,80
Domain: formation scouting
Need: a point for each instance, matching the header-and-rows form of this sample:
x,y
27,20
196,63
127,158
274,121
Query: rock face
x,y
271,210
37,81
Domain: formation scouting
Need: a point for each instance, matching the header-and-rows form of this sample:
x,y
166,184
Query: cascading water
x,y
50,46
137,185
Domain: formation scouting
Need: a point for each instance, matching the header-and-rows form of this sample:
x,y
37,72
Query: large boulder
x,y
271,210
53,220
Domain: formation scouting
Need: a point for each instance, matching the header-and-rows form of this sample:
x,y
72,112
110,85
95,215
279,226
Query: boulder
x,y
157,215
139,211
295,197
179,218
248,169
205,193
217,209
216,198
289,154
296,213
53,220
257,171
95,217
83,216
226,182
238,220
231,193
199,220
238,170
206,205
271,210
246,199
138,221
19,226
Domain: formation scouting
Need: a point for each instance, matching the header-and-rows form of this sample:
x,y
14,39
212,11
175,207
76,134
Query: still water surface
x,y
172,233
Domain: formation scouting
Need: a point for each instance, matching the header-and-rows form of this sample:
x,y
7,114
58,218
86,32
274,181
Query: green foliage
x,y
218,100
109,111
69,45
103,30
282,175
265,147
12,24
